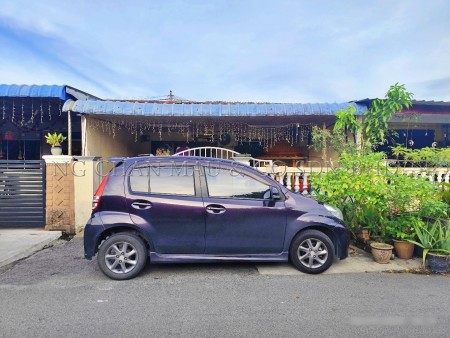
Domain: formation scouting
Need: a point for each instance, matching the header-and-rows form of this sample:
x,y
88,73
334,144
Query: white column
x,y
297,182
305,184
439,176
280,179
289,180
83,136
69,133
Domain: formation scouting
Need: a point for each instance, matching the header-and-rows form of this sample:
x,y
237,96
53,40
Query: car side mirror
x,y
274,194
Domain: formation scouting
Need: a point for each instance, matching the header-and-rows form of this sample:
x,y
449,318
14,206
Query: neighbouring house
x,y
425,124
98,128
27,114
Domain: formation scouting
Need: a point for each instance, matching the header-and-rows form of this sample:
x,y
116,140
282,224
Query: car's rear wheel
x,y
312,251
122,256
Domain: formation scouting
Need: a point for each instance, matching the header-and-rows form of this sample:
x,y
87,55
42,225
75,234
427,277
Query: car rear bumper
x,y
92,232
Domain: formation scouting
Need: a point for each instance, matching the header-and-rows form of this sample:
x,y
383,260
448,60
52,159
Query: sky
x,y
295,51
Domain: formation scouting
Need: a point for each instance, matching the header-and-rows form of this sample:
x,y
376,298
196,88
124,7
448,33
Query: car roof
x,y
200,159
173,158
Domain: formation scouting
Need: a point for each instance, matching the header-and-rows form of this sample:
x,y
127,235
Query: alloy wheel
x,y
121,257
312,253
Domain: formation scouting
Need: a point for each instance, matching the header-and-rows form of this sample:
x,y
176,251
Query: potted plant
x,y
381,252
434,238
401,227
164,150
55,141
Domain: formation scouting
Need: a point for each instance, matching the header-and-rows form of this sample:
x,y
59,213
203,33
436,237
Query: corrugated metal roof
x,y
94,107
368,102
431,103
33,91
419,107
62,92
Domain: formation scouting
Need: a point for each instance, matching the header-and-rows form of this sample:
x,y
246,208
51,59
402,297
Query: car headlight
x,y
336,212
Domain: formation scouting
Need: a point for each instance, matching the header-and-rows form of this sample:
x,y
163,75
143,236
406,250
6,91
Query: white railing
x,y
296,179
440,175
299,179
217,152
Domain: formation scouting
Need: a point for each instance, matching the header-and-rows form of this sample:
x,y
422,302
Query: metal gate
x,y
22,193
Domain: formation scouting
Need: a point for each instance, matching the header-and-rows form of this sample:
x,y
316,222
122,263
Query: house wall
x,y
86,178
315,157
99,143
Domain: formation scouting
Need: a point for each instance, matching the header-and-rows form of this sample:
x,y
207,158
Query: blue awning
x,y
44,91
33,91
22,103
129,108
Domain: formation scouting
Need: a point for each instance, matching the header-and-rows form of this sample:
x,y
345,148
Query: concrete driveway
x,y
17,244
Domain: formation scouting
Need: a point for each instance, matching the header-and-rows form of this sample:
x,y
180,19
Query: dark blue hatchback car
x,y
194,209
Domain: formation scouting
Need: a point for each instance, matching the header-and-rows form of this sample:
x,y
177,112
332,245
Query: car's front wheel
x,y
122,256
312,251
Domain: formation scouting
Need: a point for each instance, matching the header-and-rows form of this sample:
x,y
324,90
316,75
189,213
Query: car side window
x,y
171,180
228,183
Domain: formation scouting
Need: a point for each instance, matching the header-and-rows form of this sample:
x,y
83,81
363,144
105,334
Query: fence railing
x,y
215,152
299,179
227,154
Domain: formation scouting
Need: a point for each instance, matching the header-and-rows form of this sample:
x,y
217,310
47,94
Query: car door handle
x,y
215,209
141,205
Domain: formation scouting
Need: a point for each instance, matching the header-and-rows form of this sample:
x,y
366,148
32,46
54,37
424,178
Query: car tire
x,y
122,256
312,252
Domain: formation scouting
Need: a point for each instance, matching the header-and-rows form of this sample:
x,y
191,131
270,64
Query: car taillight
x,y
98,194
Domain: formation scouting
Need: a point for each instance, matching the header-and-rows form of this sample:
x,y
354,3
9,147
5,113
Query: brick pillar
x,y
60,204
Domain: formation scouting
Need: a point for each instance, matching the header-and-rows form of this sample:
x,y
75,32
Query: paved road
x,y
57,293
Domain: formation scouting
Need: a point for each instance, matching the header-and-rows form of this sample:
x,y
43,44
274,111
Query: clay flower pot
x,y
403,249
381,252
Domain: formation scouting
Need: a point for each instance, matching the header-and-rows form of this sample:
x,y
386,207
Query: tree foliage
x,y
429,156
376,118
369,193
347,123
373,197
374,125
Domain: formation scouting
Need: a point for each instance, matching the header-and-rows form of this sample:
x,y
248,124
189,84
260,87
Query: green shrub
x,y
372,197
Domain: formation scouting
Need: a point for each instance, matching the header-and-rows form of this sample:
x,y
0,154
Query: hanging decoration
x,y
23,112
212,131
23,116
